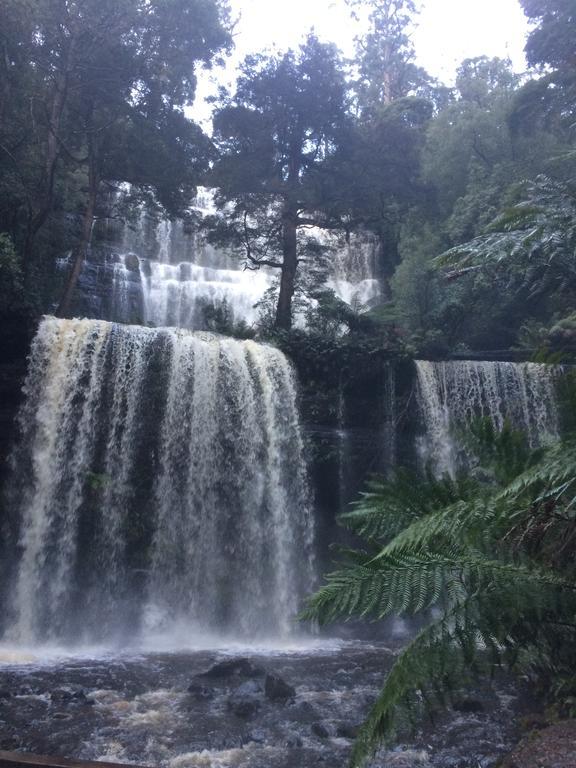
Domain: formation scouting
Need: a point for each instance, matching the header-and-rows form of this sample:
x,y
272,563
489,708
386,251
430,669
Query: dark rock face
x,y
468,705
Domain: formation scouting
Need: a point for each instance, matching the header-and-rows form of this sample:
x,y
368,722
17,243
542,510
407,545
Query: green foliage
x,y
11,278
93,94
219,318
532,242
274,136
493,554
385,55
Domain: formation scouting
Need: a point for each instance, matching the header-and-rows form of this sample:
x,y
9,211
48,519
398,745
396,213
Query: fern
x,y
385,509
495,558
533,242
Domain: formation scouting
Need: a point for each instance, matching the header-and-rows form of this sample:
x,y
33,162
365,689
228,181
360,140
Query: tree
x,y
385,55
551,46
373,180
274,135
495,559
111,73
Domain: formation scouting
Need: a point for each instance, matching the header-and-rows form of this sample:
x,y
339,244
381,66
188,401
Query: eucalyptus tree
x,y
275,135
385,54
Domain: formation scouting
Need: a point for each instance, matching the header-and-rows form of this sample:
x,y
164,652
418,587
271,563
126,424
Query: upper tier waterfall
x,y
451,394
160,274
159,481
179,295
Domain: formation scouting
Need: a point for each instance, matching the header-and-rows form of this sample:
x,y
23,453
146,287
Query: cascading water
x,y
180,294
160,274
160,482
451,394
353,271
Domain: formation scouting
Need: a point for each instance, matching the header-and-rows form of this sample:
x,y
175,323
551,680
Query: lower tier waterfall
x,y
159,481
451,394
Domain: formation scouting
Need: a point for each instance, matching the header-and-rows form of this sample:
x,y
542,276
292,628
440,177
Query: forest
x,y
422,461
466,191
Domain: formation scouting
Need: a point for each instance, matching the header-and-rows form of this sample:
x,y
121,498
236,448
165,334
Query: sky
x,y
447,32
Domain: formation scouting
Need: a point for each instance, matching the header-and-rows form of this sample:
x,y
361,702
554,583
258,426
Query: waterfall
x,y
160,481
179,294
353,271
451,394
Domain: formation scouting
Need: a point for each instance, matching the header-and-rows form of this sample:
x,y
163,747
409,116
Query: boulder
x,y
247,699
233,668
277,689
320,730
201,692
347,731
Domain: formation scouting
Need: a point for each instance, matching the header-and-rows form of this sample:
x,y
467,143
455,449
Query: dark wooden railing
x,y
26,760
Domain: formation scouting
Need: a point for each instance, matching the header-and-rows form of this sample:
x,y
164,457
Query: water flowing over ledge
x,y
451,394
159,482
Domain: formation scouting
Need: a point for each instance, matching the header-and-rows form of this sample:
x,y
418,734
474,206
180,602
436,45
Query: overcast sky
x,y
447,32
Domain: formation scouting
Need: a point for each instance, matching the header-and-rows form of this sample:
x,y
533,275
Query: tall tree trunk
x,y
45,200
84,244
289,266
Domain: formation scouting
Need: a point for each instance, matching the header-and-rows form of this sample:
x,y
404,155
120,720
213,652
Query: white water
x,y
178,294
180,277
160,483
451,394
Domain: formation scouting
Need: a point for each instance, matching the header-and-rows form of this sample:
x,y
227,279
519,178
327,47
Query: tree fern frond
x,y
387,507
433,654
409,583
533,241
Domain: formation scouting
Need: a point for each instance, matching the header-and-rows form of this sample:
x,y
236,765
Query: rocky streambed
x,y
232,709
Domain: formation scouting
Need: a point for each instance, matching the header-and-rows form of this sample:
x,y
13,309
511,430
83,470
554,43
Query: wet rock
x,y
256,736
277,689
468,705
320,730
201,692
66,696
132,262
294,742
246,700
304,712
233,668
347,730
10,743
61,695
5,695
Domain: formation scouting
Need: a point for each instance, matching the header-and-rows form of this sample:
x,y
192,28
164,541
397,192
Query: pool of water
x,y
158,708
